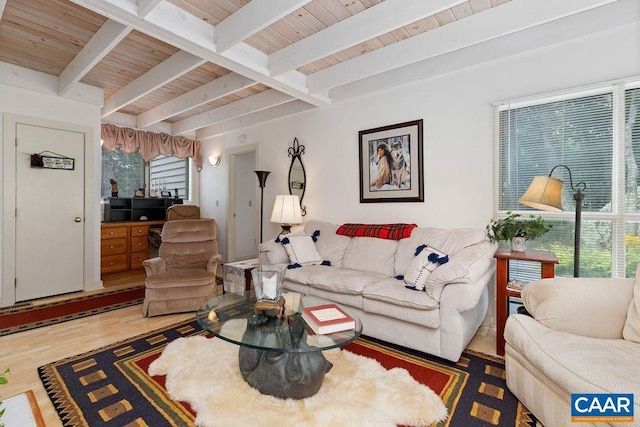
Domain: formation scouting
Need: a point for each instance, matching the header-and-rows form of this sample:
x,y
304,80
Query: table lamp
x,y
286,212
545,193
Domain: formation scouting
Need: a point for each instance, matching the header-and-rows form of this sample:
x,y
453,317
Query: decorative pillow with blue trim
x,y
426,260
301,249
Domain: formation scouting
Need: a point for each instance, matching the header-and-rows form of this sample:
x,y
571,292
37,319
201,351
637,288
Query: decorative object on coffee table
x,y
268,282
327,318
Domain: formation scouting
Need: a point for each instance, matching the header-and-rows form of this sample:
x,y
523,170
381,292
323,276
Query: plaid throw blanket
x,y
382,231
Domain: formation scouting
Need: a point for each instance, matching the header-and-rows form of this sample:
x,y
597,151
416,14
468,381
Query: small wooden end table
x,y
547,261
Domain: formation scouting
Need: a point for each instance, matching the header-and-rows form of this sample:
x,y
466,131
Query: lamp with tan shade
x,y
545,193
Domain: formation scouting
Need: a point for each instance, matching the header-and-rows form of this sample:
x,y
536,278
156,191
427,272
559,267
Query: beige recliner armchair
x,y
183,275
175,212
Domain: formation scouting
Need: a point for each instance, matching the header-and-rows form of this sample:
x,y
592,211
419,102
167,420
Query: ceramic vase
x,y
518,244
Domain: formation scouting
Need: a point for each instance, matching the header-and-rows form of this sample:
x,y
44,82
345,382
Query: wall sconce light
x,y
215,160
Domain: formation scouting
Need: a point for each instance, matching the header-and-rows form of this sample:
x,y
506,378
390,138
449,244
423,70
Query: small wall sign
x,y
52,162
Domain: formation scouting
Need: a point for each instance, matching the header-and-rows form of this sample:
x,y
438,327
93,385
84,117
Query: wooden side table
x,y
547,261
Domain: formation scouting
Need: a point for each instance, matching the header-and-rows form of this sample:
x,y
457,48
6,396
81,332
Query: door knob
x,y
78,219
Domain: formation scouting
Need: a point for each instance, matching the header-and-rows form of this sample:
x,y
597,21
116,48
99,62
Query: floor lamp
x,y
262,181
545,193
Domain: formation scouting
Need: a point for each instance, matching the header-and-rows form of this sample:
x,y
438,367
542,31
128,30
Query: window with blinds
x,y
596,134
171,174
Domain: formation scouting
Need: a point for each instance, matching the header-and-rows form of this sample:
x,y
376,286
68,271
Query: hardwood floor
x,y
24,352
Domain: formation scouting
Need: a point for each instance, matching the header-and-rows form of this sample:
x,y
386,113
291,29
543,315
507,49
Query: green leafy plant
x,y
505,229
3,380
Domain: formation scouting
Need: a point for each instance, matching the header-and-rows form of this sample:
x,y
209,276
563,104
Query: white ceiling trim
x,y
216,89
507,19
103,41
260,101
252,18
366,25
177,27
273,113
168,70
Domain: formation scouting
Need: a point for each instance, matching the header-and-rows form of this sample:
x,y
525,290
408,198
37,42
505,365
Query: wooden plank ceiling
x,y
210,66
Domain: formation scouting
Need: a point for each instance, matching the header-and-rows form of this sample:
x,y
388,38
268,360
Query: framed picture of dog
x,y
391,168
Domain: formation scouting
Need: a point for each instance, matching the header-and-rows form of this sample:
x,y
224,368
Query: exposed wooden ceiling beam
x,y
177,65
103,41
146,6
366,25
507,19
260,101
252,18
273,113
607,18
216,89
175,26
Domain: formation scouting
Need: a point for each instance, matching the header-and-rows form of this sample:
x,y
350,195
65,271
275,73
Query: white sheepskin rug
x,y
356,391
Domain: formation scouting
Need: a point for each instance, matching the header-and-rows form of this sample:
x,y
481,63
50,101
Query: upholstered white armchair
x,y
583,337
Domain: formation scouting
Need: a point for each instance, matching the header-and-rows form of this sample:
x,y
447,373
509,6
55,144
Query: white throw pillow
x,y
631,330
301,249
427,260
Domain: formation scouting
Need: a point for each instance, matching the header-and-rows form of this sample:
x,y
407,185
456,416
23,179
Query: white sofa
x,y
584,337
363,276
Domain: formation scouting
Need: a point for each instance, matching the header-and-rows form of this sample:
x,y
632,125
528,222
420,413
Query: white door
x,y
246,207
49,214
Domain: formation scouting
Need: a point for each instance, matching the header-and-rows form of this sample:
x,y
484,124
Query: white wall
x,y
44,104
457,109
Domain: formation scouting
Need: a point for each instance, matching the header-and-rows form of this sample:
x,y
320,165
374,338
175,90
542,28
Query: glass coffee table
x,y
280,357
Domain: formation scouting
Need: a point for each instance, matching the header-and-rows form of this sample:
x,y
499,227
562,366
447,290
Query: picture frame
x,y
395,173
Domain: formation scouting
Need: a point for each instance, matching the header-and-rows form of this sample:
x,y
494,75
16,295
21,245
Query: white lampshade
x,y
286,210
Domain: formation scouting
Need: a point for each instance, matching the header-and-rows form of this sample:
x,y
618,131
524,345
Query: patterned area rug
x,y
111,384
23,317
